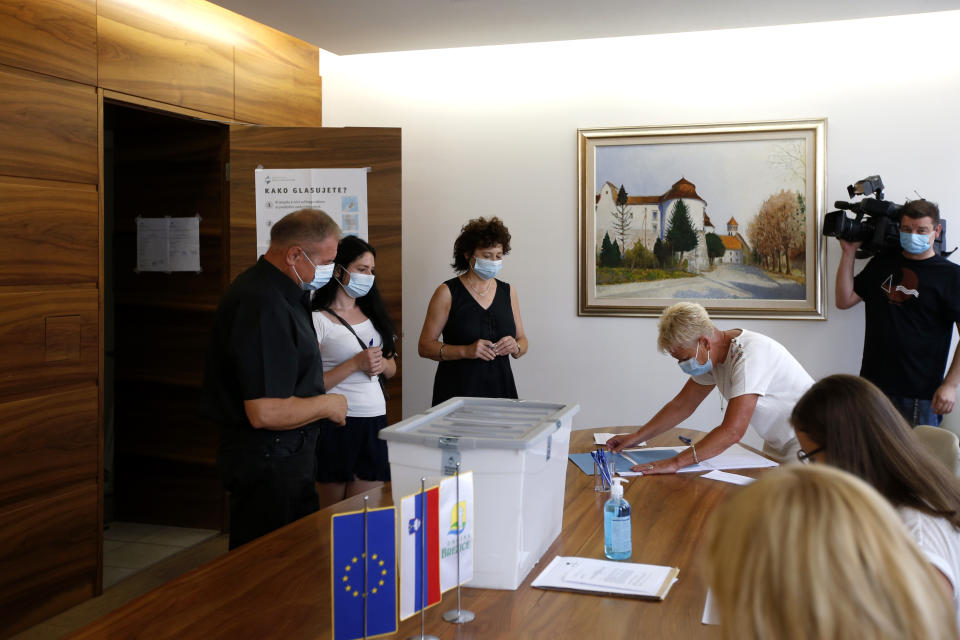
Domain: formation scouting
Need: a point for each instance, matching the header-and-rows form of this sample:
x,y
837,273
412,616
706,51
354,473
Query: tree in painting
x,y
622,218
715,248
777,232
609,252
681,234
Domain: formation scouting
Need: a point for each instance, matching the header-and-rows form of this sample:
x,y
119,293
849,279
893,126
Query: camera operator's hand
x,y
849,247
944,399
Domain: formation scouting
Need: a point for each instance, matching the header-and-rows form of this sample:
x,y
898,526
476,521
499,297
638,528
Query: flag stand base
x,y
423,637
458,616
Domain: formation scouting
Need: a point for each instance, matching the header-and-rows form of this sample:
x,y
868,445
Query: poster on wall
x,y
168,244
341,193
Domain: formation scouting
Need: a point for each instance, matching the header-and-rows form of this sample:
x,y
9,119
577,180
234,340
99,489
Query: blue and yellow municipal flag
x,y
456,530
364,576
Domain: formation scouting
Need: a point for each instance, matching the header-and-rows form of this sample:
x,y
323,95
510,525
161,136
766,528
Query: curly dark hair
x,y
479,233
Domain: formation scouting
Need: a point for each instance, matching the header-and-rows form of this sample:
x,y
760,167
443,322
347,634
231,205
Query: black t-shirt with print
x,y
911,308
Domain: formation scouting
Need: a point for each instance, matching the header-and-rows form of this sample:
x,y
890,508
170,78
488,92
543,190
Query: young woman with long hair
x,y
358,349
847,422
814,553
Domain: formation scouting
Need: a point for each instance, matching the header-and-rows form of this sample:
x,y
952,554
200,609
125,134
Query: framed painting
x,y
725,215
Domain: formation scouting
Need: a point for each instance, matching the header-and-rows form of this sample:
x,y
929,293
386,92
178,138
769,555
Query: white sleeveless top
x,y
337,345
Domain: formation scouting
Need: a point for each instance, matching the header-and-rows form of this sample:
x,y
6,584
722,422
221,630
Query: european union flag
x,y
356,581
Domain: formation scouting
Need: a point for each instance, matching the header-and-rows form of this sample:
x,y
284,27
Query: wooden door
x,y
319,148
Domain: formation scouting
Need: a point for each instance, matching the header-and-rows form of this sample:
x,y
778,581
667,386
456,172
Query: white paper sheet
x,y
600,438
168,244
711,615
736,457
606,576
184,244
732,478
341,193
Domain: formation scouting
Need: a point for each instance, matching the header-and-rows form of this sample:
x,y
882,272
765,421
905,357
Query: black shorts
x,y
353,451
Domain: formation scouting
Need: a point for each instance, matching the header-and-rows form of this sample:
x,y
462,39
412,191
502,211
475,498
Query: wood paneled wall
x,y
55,56
49,309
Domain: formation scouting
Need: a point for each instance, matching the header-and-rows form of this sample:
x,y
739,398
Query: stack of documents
x,y
607,577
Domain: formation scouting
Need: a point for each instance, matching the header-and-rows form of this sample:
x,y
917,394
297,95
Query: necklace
x,y
477,291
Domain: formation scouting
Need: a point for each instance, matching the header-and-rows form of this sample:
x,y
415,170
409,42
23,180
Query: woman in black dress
x,y
478,318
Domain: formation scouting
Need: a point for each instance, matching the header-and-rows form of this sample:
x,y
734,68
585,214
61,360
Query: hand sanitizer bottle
x,y
617,540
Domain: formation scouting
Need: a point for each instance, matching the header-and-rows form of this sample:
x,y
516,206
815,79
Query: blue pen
x,y
686,441
371,342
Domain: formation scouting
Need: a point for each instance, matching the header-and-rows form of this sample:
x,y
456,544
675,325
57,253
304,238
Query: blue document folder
x,y
585,461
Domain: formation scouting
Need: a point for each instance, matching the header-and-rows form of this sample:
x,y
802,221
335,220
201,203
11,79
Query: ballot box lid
x,y
494,423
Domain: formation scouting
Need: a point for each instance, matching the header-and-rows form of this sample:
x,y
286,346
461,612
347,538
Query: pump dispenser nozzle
x,y
616,489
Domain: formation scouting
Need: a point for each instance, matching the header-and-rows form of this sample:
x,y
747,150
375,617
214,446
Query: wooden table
x,y
279,585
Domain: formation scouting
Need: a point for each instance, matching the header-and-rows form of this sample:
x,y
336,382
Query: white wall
x,y
492,130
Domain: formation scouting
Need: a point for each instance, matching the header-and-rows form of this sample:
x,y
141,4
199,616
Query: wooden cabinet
x,y
48,128
174,51
49,233
53,37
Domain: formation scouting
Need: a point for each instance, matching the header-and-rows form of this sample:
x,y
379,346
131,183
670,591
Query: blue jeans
x,y
916,411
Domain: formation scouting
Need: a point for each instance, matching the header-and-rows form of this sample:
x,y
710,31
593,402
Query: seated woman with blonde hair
x,y
813,553
849,423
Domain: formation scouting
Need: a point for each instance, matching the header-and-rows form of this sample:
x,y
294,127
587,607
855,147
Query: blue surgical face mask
x,y
693,368
359,285
914,243
321,274
486,269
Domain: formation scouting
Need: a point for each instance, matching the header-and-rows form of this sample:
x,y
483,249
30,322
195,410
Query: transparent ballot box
x,y
517,450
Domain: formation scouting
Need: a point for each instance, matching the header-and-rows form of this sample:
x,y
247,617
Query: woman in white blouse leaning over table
x,y
756,375
358,350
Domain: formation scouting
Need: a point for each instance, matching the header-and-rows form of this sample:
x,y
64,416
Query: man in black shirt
x,y
912,300
264,379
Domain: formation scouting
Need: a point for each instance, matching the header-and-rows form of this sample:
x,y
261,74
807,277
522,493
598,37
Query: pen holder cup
x,y
600,483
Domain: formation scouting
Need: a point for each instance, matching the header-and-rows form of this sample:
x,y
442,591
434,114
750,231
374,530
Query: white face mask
x,y
486,269
359,285
321,274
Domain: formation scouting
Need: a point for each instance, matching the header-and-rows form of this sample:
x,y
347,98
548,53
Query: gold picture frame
x,y
727,215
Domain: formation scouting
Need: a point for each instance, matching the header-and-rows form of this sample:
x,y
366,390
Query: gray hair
x,y
304,225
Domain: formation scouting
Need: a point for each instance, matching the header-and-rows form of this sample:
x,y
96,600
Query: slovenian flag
x,y
364,581
419,557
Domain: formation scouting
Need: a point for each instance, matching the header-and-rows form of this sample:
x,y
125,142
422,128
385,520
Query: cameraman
x,y
912,301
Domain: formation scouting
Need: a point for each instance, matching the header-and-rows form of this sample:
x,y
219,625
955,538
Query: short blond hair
x,y
812,552
681,325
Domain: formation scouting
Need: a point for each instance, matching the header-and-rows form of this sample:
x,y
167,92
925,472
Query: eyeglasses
x,y
807,458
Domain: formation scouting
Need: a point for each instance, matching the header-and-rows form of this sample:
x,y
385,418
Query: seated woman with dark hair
x,y
847,422
478,318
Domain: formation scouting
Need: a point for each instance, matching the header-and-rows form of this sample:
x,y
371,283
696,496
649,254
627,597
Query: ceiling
x,y
369,26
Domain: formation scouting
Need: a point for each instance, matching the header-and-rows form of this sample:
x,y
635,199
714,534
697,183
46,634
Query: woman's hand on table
x,y
623,441
658,467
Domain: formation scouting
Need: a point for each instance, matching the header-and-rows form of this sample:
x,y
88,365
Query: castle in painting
x,y
651,218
